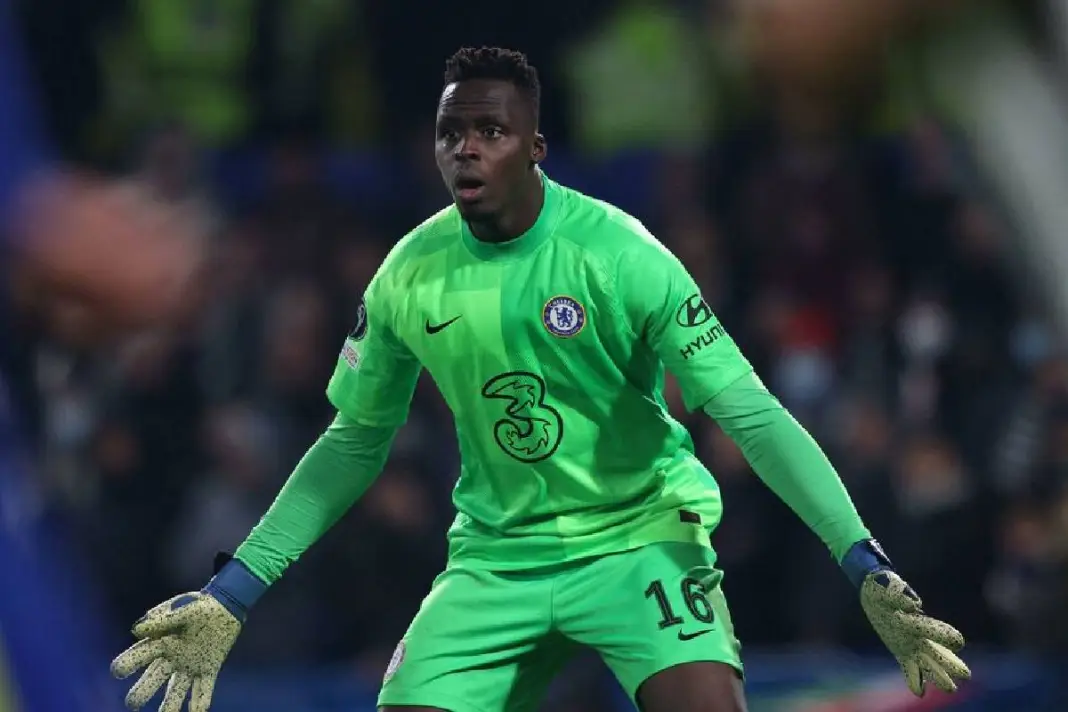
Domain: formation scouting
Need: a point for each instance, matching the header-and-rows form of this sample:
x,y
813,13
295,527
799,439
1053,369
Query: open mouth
x,y
469,188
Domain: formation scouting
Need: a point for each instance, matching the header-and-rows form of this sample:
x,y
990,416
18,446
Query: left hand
x,y
925,648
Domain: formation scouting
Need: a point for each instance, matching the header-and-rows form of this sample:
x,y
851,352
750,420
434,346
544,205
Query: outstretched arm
x,y
372,389
186,639
789,461
666,310
329,479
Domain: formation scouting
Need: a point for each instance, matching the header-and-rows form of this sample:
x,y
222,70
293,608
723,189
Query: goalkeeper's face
x,y
487,145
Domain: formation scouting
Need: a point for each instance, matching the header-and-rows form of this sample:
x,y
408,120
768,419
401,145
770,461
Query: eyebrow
x,y
479,118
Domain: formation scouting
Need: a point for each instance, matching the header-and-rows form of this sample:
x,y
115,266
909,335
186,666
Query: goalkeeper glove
x,y
184,641
925,648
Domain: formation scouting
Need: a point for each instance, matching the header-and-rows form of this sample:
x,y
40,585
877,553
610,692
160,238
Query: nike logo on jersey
x,y
435,328
691,636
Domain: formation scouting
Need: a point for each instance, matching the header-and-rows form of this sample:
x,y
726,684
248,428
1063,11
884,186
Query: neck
x,y
517,218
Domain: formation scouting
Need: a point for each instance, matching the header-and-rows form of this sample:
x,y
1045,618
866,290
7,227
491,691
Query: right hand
x,y
184,642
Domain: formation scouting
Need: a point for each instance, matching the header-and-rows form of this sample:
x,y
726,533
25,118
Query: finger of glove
x,y
942,633
177,689
149,684
916,627
203,687
901,632
933,673
136,657
913,676
166,617
947,660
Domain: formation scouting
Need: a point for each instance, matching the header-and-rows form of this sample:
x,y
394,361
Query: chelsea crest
x,y
563,316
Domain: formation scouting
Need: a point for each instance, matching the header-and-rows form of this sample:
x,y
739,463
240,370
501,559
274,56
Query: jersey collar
x,y
529,240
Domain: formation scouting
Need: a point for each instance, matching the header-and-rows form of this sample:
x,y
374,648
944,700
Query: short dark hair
x,y
496,63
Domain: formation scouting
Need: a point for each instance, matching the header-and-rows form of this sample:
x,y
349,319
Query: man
x,y
546,319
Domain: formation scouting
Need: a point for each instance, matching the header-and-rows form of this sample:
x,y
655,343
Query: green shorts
x,y
492,641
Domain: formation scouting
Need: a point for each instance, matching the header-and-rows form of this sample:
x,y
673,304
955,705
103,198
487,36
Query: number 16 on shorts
x,y
691,594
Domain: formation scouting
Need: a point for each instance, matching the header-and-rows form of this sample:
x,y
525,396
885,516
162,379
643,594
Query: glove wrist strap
x,y
236,588
863,558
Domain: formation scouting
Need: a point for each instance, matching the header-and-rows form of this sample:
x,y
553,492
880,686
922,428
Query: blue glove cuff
x,y
863,558
236,588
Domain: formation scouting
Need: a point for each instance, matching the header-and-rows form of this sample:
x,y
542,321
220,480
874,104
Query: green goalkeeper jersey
x,y
550,350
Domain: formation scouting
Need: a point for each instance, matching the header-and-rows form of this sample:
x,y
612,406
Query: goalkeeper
x,y
546,319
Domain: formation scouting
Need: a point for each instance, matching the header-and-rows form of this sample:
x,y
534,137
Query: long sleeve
x,y
328,480
372,389
664,307
789,461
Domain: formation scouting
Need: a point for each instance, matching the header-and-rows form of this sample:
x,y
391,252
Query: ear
x,y
539,150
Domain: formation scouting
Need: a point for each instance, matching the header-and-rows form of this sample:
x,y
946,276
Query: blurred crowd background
x,y
838,177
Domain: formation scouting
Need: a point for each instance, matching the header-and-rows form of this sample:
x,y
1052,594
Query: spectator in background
x,y
862,442
301,212
753,525
942,529
1027,588
189,62
869,355
300,54
398,519
1028,428
140,457
171,165
242,448
295,362
230,332
243,471
639,81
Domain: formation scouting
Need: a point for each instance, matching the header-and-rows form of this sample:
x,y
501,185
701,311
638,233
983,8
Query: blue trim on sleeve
x,y
863,558
236,588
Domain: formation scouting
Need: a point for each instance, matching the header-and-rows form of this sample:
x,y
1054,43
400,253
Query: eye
x,y
493,132
447,135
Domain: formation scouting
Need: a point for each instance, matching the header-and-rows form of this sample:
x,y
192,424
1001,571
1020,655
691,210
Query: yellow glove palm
x,y
924,647
184,642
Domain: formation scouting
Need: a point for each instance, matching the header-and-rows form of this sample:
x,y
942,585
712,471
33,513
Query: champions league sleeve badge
x,y
563,316
360,329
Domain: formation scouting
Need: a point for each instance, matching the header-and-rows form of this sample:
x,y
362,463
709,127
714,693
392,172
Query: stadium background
x,y
830,175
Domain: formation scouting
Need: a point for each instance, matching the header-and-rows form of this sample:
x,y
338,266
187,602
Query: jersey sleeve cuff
x,y
236,588
863,558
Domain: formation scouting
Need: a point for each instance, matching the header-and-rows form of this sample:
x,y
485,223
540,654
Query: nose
x,y
466,149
